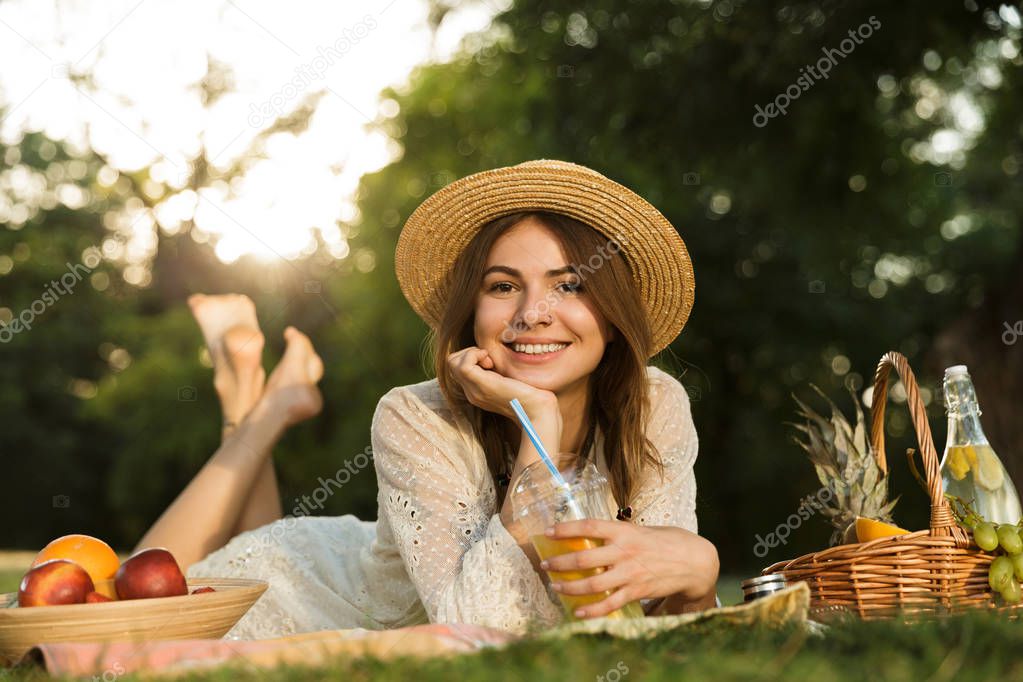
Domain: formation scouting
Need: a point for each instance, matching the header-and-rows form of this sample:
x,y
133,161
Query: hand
x,y
641,562
473,369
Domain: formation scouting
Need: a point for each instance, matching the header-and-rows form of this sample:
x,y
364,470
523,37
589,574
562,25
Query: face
x,y
529,298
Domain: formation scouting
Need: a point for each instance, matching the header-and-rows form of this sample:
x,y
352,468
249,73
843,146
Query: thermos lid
x,y
762,580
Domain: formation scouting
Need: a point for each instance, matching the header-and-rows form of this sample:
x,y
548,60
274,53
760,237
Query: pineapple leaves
x,y
844,461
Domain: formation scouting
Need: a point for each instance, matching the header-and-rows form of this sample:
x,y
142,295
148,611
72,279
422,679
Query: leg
x,y
300,363
201,519
263,503
235,345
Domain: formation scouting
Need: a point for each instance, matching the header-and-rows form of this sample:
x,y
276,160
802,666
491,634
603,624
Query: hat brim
x,y
444,224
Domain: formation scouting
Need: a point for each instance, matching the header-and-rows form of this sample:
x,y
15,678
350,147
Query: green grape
x,y
1011,593
1008,538
1000,573
1017,565
985,536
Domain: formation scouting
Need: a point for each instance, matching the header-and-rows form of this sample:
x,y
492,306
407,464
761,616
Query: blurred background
x,y
152,150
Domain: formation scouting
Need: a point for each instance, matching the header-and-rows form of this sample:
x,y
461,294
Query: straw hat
x,y
443,225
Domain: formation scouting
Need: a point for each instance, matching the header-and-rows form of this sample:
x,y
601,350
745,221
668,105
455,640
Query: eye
x,y
500,287
571,286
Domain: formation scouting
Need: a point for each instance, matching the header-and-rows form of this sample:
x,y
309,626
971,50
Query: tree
x,y
816,238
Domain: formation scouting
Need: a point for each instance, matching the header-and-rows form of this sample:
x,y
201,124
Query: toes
x,y
297,341
315,368
301,348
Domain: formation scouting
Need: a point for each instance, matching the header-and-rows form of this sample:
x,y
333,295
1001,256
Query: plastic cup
x,y
538,503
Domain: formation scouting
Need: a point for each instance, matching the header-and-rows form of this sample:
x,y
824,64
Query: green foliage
x,y
660,97
817,244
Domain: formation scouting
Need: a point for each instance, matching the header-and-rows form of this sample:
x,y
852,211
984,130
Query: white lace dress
x,y
438,551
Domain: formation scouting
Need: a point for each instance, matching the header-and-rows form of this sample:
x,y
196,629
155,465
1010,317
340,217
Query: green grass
x,y
976,647
730,589
9,580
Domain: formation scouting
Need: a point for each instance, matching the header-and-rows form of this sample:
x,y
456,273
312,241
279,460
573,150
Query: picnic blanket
x,y
174,657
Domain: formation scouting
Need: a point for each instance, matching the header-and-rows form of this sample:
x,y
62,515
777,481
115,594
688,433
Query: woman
x,y
545,282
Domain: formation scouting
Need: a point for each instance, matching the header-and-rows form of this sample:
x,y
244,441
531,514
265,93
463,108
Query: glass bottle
x,y
970,469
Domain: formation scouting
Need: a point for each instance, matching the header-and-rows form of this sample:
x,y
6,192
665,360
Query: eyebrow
x,y
515,273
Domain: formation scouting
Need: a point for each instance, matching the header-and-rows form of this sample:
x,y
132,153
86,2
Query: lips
x,y
535,357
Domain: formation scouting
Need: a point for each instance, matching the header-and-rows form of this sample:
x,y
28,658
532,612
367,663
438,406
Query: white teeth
x,y
535,349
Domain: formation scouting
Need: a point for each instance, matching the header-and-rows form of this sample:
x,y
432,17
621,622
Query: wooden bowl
x,y
193,616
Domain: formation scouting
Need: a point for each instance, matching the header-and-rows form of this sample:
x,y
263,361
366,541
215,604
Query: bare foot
x,y
229,325
292,384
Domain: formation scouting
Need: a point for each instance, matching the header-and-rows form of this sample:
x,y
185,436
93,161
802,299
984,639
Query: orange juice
x,y
547,548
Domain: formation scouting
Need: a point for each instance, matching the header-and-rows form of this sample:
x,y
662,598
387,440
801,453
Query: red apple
x,y
57,581
150,573
201,590
96,598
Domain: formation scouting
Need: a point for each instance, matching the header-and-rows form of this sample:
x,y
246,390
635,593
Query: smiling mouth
x,y
539,351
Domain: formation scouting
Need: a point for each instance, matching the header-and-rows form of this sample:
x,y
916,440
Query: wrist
x,y
540,406
701,582
548,427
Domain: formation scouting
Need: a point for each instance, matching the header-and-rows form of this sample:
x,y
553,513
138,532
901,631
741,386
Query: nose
x,y
534,309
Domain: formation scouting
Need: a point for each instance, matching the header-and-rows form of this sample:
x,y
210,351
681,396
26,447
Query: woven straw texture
x,y
437,232
938,571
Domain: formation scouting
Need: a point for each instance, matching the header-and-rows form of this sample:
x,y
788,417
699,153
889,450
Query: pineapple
x,y
845,465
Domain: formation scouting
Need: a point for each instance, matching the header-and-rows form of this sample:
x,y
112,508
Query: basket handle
x,y
943,523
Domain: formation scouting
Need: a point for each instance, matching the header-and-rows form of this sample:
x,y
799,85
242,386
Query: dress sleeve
x,y
671,501
439,502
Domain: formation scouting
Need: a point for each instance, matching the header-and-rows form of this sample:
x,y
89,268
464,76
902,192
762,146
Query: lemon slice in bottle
x,y
958,464
988,473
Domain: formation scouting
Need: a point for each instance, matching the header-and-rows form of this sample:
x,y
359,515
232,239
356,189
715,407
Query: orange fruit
x,y
92,554
871,529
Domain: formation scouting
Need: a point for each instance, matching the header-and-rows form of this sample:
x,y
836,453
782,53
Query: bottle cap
x,y
956,370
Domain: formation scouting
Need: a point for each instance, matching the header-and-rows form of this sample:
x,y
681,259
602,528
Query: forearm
x,y
202,517
677,604
697,578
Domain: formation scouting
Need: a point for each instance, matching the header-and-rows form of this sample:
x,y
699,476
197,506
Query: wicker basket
x,y
930,572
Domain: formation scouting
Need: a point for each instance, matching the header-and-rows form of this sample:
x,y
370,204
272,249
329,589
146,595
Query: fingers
x,y
589,528
594,584
475,371
616,601
457,361
597,557
470,367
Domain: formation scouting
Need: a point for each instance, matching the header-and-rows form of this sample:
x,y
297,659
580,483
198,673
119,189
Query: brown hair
x,y
619,399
